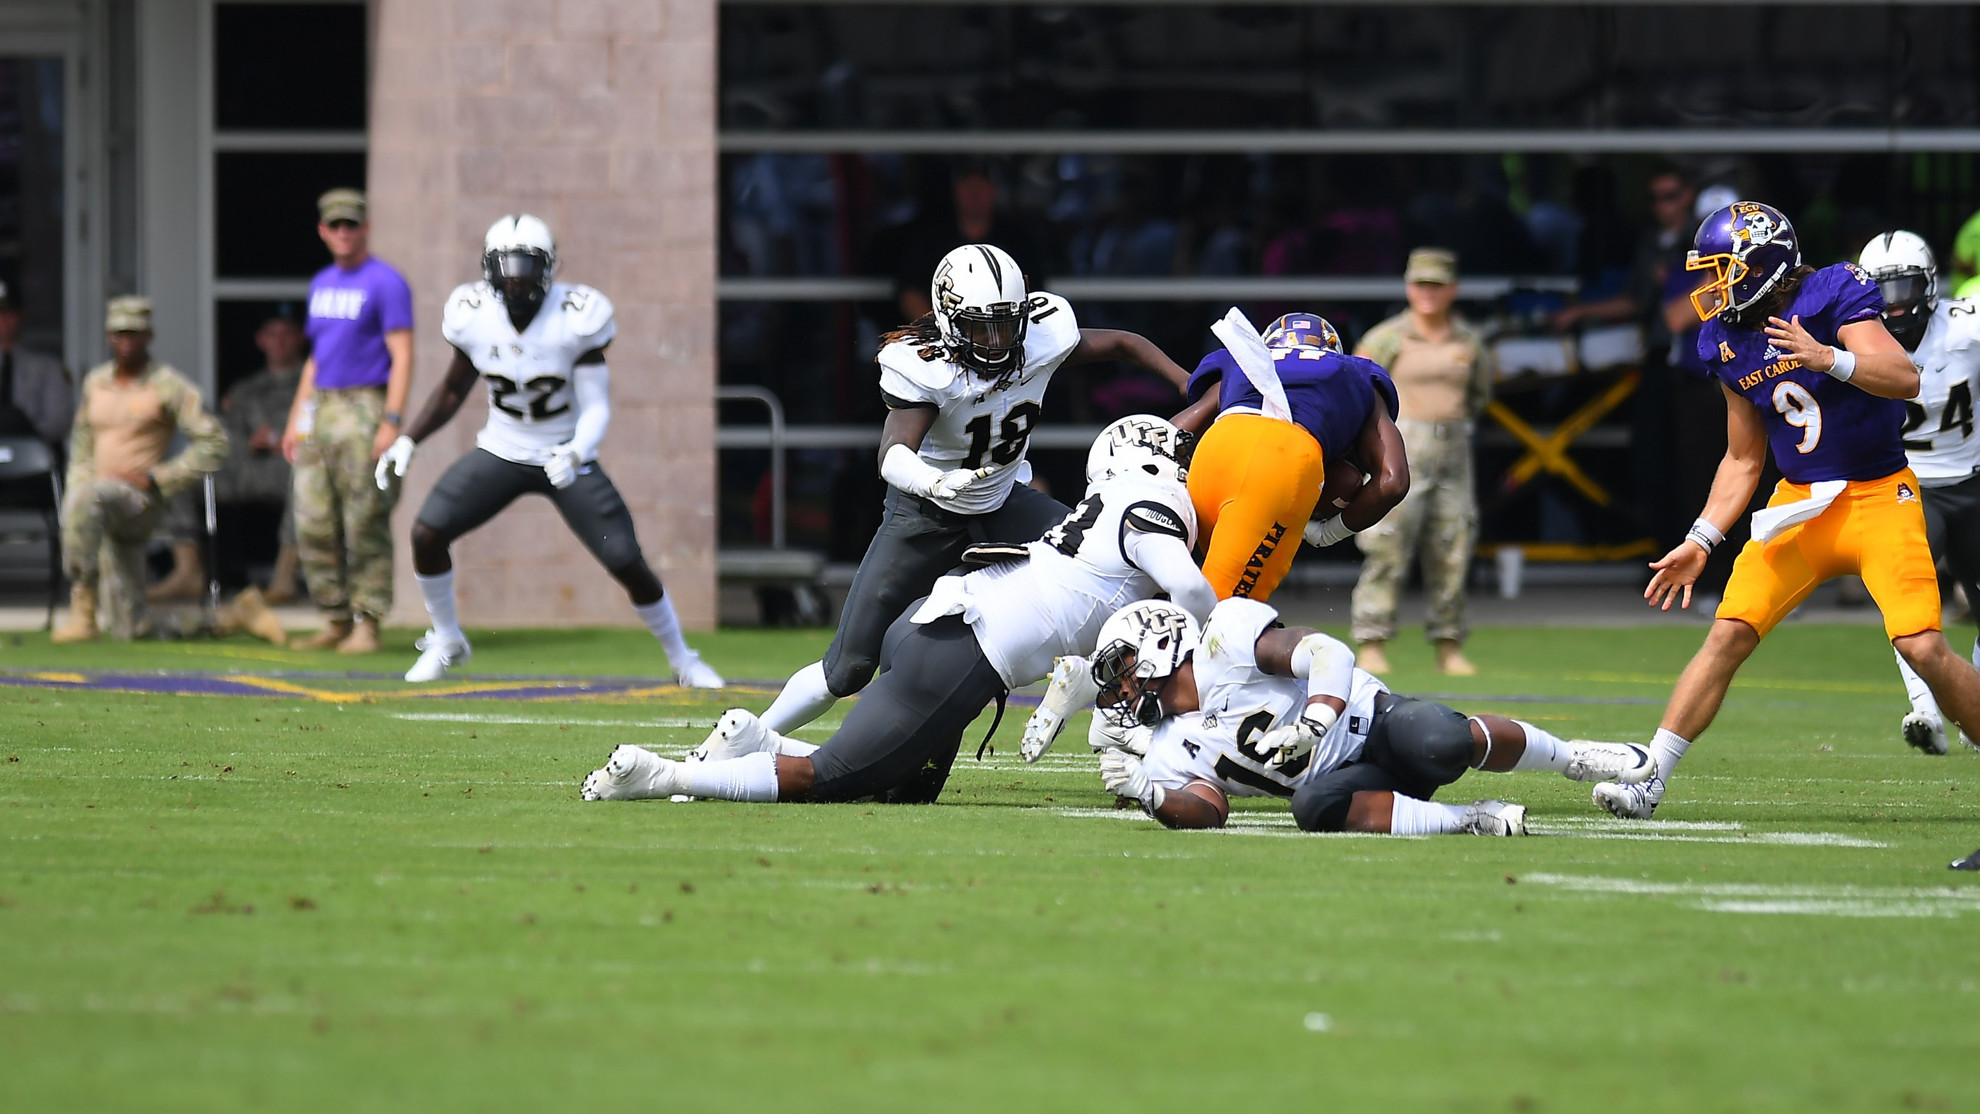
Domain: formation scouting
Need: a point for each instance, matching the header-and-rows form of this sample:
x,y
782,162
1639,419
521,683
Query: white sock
x,y
1544,750
438,592
1920,693
659,618
753,777
784,744
1412,817
1667,747
804,699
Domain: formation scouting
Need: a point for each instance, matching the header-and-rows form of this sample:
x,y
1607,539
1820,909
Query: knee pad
x,y
1431,739
846,673
1322,806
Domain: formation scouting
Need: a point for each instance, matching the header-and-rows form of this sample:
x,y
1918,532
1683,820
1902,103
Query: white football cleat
x,y
1071,689
632,774
1494,818
437,656
693,673
1620,762
1925,731
737,733
1630,802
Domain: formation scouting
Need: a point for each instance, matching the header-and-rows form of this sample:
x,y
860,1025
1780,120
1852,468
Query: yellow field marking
x,y
285,657
61,678
290,688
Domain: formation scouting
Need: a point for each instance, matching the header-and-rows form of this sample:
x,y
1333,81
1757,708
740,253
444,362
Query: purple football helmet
x,y
1748,248
1303,331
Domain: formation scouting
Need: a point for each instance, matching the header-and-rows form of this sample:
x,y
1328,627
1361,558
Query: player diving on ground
x,y
975,638
540,344
1247,707
1280,409
1807,367
1943,337
964,386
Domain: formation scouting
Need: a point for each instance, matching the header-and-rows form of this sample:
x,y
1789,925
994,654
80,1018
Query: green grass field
x,y
296,903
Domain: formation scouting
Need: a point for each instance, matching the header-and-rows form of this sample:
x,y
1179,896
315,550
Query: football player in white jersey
x,y
976,637
1943,337
540,345
964,387
1250,708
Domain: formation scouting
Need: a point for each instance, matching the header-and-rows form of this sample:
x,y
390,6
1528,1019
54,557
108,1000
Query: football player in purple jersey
x,y
1809,370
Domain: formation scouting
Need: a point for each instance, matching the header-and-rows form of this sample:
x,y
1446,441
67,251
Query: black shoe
x,y
1971,862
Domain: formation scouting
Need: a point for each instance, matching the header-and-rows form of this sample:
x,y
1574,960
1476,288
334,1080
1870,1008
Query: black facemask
x,y
1905,311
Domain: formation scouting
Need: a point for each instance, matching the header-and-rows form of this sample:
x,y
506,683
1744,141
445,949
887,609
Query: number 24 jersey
x,y
531,406
1938,424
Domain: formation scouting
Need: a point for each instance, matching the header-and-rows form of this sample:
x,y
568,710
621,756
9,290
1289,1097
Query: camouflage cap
x,y
341,204
128,314
1438,265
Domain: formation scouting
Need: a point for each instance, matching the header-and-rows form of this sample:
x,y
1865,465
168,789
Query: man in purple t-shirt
x,y
347,412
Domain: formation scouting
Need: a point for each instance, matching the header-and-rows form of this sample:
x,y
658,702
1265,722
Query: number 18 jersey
x,y
531,407
978,424
1938,424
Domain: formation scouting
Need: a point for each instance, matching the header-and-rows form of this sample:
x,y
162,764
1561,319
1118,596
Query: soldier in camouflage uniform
x,y
119,481
255,410
1443,374
348,410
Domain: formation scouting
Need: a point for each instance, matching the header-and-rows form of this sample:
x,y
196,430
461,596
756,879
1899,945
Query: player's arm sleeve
x,y
1165,557
591,384
458,316
1857,298
1327,665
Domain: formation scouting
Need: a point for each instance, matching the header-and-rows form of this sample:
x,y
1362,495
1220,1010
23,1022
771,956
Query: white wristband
x,y
1845,365
1705,535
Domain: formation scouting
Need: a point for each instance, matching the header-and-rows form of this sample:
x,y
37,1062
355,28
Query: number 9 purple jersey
x,y
1819,427
1331,395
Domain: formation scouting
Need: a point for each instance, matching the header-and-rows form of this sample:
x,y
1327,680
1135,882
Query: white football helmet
x,y
1139,647
518,258
1902,266
1141,443
979,298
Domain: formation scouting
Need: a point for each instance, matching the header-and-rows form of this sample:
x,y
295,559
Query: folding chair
x,y
29,458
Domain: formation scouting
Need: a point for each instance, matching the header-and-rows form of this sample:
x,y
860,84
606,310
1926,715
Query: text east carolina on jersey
x,y
1819,427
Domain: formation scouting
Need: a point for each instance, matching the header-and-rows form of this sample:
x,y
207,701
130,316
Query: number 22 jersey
x,y
531,406
1819,427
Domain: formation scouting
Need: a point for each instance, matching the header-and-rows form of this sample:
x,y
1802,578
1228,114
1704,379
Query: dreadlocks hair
x,y
923,332
1777,299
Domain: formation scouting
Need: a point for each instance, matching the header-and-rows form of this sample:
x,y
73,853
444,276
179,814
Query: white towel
x,y
1769,522
1255,360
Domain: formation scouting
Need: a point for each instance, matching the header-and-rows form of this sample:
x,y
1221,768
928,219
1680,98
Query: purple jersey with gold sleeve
x,y
1330,395
1819,427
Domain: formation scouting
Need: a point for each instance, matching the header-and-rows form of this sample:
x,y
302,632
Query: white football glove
x,y
394,462
1283,744
1104,733
562,467
1320,535
1072,688
951,483
1121,773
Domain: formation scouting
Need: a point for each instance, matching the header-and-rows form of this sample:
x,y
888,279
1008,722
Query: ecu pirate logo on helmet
x,y
1746,248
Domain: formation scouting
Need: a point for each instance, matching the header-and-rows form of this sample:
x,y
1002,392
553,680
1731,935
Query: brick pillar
x,y
599,117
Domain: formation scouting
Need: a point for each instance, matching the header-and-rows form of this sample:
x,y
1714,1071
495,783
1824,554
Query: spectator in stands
x,y
119,478
37,398
348,410
1443,375
1659,255
975,218
254,412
